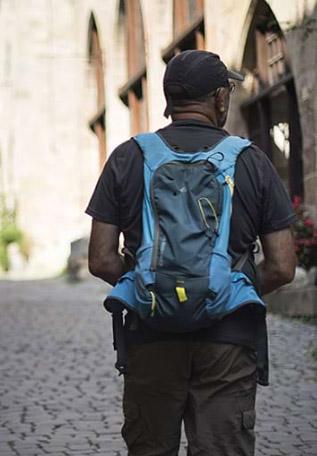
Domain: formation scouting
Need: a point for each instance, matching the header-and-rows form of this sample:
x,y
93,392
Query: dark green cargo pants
x,y
209,386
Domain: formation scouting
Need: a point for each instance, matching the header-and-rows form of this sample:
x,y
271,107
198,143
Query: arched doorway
x,y
271,110
134,92
188,27
97,122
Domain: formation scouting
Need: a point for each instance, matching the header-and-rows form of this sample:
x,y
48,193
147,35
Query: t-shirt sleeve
x,y
104,202
277,211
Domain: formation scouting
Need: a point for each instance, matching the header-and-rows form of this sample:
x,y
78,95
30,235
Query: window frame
x,y
134,92
97,123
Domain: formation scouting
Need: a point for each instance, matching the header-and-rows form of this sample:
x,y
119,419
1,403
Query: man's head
x,y
198,82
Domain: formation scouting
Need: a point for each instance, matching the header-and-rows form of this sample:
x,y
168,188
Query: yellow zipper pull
x,y
230,183
153,306
181,294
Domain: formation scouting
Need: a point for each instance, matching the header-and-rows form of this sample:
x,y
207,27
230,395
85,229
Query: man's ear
x,y
221,100
221,106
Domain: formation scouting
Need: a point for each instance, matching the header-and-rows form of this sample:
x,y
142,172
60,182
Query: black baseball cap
x,y
194,73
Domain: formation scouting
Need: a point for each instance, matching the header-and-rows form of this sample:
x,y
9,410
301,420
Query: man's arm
x,y
104,260
278,266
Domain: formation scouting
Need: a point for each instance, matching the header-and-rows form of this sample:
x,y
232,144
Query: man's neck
x,y
193,115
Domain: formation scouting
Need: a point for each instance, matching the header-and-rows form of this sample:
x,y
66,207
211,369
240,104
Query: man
x,y
206,378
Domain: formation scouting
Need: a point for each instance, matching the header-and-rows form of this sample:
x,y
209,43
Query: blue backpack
x,y
183,277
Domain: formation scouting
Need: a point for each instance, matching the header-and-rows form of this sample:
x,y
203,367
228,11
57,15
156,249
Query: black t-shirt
x,y
261,205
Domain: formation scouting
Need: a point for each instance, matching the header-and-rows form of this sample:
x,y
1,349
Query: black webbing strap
x,y
253,248
262,350
119,342
238,266
116,308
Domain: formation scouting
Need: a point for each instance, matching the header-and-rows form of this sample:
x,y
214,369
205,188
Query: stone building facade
x,y
77,77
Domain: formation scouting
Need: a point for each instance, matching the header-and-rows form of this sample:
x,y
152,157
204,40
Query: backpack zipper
x,y
204,198
156,230
230,183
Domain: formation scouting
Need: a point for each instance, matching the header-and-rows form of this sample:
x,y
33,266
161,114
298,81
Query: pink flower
x,y
297,201
306,242
308,222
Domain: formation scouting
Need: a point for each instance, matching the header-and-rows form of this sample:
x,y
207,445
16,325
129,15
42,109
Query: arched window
x,y
133,93
97,122
271,112
188,27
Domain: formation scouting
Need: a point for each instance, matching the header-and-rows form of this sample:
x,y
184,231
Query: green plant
x,y
4,258
305,233
10,233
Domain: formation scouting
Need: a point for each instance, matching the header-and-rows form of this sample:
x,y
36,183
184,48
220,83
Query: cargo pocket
x,y
133,428
246,405
246,422
248,419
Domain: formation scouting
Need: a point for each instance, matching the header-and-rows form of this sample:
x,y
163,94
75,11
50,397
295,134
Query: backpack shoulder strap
x,y
225,154
155,151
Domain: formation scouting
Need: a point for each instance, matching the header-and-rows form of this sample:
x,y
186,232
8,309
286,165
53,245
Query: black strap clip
x,y
116,308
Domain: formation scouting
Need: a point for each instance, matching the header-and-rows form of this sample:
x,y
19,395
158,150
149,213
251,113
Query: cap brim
x,y
235,75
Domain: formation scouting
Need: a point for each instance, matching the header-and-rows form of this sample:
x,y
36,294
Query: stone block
x,y
77,263
290,302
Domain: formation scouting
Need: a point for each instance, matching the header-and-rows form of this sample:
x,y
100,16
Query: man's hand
x,y
104,259
278,266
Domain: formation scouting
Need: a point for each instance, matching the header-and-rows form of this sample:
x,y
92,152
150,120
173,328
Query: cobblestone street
x,y
60,395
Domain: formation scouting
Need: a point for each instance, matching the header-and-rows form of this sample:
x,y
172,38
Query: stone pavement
x,y
60,395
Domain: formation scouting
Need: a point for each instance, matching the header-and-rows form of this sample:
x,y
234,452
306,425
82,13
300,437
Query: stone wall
x,y
301,40
49,155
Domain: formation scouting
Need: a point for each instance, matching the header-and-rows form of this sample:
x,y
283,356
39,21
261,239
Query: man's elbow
x,y
286,275
98,268
93,268
286,272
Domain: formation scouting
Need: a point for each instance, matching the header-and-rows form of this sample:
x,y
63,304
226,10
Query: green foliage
x,y
4,259
9,234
